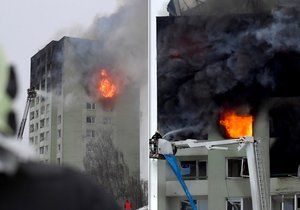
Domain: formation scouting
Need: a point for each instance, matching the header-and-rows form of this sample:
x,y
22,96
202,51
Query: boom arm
x,y
31,94
257,175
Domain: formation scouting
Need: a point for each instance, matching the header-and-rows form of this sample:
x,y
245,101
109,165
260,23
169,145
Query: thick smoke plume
x,y
117,43
207,64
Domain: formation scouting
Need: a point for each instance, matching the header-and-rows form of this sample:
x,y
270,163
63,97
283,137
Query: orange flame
x,y
236,125
107,87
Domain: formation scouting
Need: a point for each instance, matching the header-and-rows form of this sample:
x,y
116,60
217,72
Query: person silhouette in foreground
x,y
29,185
127,205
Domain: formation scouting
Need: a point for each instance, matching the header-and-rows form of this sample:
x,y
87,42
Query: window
x,y
42,123
202,169
234,204
37,100
31,115
36,139
37,113
36,126
47,108
46,149
58,133
31,140
90,119
185,205
42,136
196,169
32,103
188,169
42,110
58,119
41,150
90,133
106,120
47,135
90,106
47,121
31,128
237,167
58,147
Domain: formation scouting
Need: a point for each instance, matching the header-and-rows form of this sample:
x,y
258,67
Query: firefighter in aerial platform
x,y
29,185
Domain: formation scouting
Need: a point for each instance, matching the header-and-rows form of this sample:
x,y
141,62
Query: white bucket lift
x,y
260,191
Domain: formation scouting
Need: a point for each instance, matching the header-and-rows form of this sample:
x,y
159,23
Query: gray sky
x,y
27,26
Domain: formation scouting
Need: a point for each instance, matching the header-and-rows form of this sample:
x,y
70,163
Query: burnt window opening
x,y
237,167
285,145
284,67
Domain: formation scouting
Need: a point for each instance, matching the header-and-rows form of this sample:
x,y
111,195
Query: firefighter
x,y
127,205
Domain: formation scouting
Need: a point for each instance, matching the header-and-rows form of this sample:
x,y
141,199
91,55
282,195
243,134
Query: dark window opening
x,y
185,205
237,167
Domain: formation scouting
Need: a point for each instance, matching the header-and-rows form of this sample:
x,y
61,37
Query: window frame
x,y
241,170
197,177
92,121
235,199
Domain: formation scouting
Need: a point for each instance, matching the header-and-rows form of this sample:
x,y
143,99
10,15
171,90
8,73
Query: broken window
x,y
237,167
234,204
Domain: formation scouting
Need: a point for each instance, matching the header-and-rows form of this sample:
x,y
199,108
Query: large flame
x,y
236,125
106,86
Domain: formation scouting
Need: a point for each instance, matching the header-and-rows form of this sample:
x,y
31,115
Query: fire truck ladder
x,y
257,174
31,94
258,180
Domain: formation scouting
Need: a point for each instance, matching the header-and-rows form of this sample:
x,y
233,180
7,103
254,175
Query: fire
x,y
107,87
236,125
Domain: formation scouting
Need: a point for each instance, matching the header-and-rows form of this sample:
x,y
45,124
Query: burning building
x,y
226,76
79,99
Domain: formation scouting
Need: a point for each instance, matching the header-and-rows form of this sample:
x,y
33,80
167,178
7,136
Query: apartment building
x,y
63,117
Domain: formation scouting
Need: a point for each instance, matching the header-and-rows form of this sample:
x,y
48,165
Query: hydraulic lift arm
x,y
31,94
257,175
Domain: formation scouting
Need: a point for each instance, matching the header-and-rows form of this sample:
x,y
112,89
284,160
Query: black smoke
x,y
206,64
